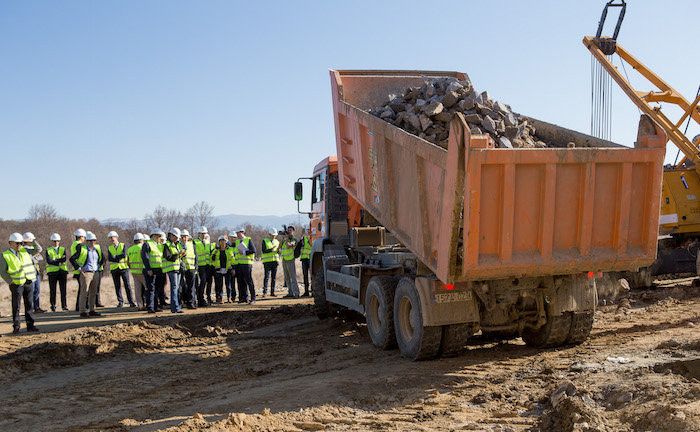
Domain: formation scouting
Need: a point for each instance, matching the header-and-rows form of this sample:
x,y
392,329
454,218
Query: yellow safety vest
x,y
117,250
189,260
171,266
15,267
203,251
133,255
305,249
155,257
28,264
82,258
240,258
273,245
287,252
54,254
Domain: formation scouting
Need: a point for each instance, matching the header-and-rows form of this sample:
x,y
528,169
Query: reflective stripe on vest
x,y
287,252
27,264
240,258
15,269
305,249
117,250
203,251
230,257
54,255
98,248
189,260
155,257
133,256
171,266
273,245
82,258
216,258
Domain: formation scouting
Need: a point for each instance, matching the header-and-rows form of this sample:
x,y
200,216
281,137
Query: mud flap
x,y
573,294
444,307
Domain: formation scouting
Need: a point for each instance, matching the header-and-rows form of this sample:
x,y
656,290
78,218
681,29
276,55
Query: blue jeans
x,y
36,290
174,278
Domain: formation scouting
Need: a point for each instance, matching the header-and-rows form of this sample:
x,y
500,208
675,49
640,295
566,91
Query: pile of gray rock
x,y
426,111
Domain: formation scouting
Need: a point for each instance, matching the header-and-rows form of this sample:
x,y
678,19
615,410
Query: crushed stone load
x,y
426,111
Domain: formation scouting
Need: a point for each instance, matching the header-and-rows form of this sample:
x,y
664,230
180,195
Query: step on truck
x,y
433,245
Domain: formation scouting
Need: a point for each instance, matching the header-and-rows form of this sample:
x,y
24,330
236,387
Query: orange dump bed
x,y
474,212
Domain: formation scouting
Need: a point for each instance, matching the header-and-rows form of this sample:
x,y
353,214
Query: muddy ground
x,y
276,367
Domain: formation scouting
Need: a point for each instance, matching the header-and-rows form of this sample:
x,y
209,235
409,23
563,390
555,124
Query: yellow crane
x,y
679,223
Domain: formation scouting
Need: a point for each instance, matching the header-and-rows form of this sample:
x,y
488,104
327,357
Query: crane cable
x,y
685,132
601,100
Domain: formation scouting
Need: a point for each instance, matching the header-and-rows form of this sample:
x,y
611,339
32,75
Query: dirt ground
x,y
274,366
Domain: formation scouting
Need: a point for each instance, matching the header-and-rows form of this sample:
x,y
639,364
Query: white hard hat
x,y
232,233
222,238
155,231
240,229
79,233
112,234
16,237
28,237
90,236
138,236
161,233
203,230
185,233
55,237
273,232
174,231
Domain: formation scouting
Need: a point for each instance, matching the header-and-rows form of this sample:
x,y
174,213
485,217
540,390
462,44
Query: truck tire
x,y
379,311
415,341
322,308
454,339
581,326
554,333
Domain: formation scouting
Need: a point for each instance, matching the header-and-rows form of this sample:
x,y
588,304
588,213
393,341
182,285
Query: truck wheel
x,y
554,333
415,341
322,308
379,311
454,339
581,325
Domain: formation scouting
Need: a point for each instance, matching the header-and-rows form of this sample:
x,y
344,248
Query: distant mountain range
x,y
235,220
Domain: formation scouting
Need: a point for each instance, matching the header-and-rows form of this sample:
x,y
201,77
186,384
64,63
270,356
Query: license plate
x,y
453,297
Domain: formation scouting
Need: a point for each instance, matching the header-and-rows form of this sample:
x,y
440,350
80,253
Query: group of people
x,y
191,267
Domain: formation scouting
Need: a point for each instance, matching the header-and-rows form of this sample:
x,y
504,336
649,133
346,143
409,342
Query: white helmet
x,y
185,233
161,233
232,234
112,234
80,233
138,236
222,238
155,231
175,231
29,237
16,237
272,232
90,236
241,229
203,230
55,237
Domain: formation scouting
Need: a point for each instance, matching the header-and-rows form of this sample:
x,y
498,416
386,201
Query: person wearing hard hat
x,y
270,252
135,263
203,251
119,269
245,256
231,274
78,255
188,270
89,274
172,260
57,271
289,264
220,265
152,256
17,269
303,252
34,249
100,272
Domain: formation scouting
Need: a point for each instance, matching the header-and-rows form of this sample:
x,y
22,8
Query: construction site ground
x,y
275,366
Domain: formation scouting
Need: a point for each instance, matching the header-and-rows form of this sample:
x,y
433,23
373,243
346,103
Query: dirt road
x,y
276,367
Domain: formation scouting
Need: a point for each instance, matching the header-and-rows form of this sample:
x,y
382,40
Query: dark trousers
x,y
23,292
204,276
219,285
231,285
149,292
187,287
36,290
305,271
118,276
159,288
61,278
244,276
270,269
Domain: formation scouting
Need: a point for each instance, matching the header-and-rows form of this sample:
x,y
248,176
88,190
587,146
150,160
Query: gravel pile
x,y
426,111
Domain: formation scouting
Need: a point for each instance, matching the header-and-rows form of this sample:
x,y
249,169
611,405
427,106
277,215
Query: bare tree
x,y
164,218
202,214
42,212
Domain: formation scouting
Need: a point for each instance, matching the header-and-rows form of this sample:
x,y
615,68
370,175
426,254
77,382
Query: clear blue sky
x,y
111,108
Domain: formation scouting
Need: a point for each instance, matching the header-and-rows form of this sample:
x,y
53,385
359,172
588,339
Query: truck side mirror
x,y
298,191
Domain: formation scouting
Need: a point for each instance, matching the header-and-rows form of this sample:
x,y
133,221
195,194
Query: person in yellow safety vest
x,y
231,274
152,257
135,263
269,257
89,275
34,250
188,271
119,269
202,248
78,255
98,276
57,271
172,259
303,251
245,256
17,269
289,264
220,264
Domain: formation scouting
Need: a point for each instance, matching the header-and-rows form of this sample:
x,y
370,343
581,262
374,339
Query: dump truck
x,y
432,245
